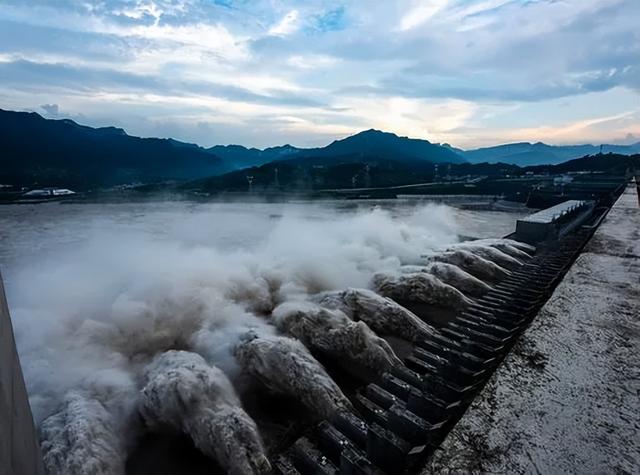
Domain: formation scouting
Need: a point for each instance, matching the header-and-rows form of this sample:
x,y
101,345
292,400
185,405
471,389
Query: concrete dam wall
x,y
19,448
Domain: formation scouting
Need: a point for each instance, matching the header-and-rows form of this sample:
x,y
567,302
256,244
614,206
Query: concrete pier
x,y
19,449
567,397
552,223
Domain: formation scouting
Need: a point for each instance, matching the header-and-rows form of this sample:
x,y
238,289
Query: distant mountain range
x,y
390,146
385,145
39,152
36,151
371,142
347,171
242,157
361,172
526,154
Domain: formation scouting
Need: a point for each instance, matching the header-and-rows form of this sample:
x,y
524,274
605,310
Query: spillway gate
x,y
402,418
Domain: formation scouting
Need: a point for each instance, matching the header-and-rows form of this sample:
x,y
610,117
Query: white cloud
x,y
461,71
289,24
594,129
140,9
312,61
212,38
418,118
421,12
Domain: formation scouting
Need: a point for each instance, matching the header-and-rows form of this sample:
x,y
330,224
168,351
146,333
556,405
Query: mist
x,y
90,313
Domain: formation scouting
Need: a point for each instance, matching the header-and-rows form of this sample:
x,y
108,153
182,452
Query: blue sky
x,y
267,72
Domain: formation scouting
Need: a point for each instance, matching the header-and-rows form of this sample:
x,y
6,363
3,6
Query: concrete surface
x,y
19,449
567,398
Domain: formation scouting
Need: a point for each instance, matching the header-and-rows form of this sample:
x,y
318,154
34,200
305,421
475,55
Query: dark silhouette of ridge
x,y
526,154
386,145
44,152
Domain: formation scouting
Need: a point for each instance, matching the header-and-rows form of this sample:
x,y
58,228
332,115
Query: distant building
x,y
48,193
562,180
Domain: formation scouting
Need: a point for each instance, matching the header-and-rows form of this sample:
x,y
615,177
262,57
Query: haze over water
x,y
77,273
31,233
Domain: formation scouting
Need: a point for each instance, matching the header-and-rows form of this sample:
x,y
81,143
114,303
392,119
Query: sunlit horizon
x,y
261,73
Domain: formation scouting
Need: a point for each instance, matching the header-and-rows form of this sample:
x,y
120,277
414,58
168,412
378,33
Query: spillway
x,y
340,387
402,418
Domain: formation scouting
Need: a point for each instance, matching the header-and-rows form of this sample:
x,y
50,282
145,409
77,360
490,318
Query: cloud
x,y
523,88
51,109
88,80
462,71
420,13
311,61
287,25
412,117
140,10
605,129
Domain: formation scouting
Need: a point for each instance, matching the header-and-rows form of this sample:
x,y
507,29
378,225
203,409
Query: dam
x,y
425,413
416,418
565,398
19,447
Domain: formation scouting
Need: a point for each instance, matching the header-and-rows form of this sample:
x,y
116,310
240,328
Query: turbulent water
x,y
98,291
40,231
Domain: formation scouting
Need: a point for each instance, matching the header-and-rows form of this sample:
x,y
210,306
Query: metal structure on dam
x,y
401,417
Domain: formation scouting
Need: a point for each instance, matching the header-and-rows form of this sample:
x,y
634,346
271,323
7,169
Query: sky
x,y
268,72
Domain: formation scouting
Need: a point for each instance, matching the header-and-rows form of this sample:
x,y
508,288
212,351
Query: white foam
x,y
89,317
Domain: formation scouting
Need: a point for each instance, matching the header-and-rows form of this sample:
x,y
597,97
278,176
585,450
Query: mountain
x,y
526,154
385,145
609,163
632,149
313,173
368,159
242,157
356,172
370,143
42,152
